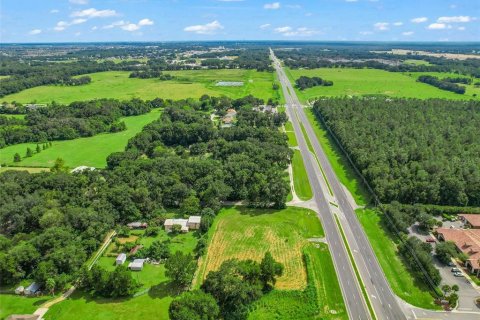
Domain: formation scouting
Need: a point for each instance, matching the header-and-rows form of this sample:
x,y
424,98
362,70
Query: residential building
x,y
120,259
466,241
471,220
193,222
136,265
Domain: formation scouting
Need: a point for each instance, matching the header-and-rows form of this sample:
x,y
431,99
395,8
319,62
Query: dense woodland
x,y
51,222
66,122
412,151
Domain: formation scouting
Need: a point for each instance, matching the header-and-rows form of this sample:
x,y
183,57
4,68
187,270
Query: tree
x,y
446,289
38,149
50,286
59,166
29,153
195,305
191,205
180,268
455,288
17,158
159,250
445,251
270,270
121,283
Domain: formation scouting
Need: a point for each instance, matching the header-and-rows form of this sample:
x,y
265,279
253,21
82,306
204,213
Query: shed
x,y
194,222
137,225
136,265
32,289
121,259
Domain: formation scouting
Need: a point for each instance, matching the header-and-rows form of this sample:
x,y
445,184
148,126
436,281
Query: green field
x,y
14,304
300,178
248,233
417,62
91,151
152,300
357,82
31,170
397,274
189,84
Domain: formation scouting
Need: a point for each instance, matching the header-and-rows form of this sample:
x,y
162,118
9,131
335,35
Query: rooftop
x,y
466,240
473,219
194,219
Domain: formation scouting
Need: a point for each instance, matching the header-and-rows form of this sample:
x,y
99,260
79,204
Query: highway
x,y
354,300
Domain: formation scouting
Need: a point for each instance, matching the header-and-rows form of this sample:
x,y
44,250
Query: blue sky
x,y
172,20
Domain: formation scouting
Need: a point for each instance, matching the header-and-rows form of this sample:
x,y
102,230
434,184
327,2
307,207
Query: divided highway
x,y
384,302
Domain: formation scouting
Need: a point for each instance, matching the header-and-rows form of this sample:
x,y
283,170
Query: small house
x,y
136,265
137,225
169,223
194,222
20,290
32,289
120,259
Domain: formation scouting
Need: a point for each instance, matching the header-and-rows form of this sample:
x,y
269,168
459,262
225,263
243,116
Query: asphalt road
x,y
354,300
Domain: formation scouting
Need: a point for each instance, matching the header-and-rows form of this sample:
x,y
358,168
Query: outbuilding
x,y
120,259
32,289
20,290
136,265
194,222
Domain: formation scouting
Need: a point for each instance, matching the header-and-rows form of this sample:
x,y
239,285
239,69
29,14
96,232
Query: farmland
x,y
358,82
90,151
188,84
247,234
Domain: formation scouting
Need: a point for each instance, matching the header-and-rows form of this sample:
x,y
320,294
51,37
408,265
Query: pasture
x,y
360,82
188,84
90,151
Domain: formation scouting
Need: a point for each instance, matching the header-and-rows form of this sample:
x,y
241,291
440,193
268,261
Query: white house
x,y
120,259
136,265
193,222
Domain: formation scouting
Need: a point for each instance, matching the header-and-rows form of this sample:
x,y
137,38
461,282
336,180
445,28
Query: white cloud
x,y
265,26
382,26
54,11
420,20
78,1
455,19
398,24
94,13
209,28
407,33
94,28
288,31
77,34
461,28
78,21
145,22
365,33
35,31
128,26
272,6
62,25
438,26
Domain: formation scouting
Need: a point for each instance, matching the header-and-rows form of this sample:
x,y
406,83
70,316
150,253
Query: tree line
x,y
306,82
442,83
148,74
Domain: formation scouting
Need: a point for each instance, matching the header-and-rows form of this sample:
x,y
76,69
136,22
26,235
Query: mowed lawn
x,y
151,301
90,151
14,304
358,82
300,178
189,84
400,280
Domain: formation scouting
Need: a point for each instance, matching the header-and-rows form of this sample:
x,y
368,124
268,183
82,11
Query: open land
x,y
360,82
90,151
188,84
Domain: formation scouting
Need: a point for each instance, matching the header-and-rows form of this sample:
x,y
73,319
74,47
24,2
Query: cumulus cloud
x,y
398,24
265,26
35,31
455,19
419,20
461,28
94,13
407,33
381,26
78,1
438,26
288,31
145,22
129,26
272,6
209,28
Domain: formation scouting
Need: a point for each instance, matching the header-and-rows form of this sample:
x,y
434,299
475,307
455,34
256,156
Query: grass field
x,y
189,84
14,304
153,298
358,82
417,62
91,151
300,178
397,274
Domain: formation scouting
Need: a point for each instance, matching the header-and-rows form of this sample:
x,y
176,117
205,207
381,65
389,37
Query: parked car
x,y
455,270
451,264
458,274
430,239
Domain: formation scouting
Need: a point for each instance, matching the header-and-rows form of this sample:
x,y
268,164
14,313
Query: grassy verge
x,y
400,279
362,286
292,139
300,178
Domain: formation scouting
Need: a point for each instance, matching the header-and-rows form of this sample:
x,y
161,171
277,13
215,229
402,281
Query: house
x,y
32,289
136,265
120,259
466,241
137,225
81,169
193,222
20,290
471,220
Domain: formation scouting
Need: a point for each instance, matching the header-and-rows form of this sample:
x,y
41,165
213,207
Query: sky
x,y
24,21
